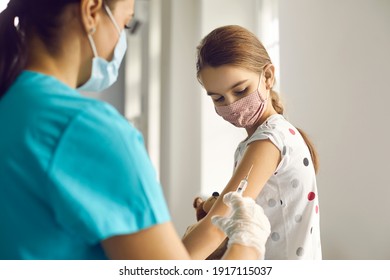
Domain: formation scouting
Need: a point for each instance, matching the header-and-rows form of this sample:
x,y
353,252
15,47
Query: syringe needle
x,y
249,172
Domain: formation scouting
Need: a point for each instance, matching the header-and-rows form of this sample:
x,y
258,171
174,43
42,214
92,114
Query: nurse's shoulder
x,y
50,100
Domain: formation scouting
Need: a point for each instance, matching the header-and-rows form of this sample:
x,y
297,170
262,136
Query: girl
x,y
237,73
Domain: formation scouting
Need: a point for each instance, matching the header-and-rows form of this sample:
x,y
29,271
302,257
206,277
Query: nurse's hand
x,y
246,224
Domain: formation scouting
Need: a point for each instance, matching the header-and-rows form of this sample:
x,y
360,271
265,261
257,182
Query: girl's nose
x,y
230,99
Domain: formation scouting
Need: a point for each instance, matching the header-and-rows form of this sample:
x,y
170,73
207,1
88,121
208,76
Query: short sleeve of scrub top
x,y
101,179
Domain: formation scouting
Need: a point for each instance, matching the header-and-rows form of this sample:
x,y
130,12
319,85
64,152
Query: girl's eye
x,y
220,99
240,92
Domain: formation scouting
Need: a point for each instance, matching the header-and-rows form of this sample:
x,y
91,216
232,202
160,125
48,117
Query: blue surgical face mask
x,y
104,73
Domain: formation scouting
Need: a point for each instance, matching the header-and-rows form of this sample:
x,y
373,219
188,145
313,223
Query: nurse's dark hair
x,y
237,46
18,21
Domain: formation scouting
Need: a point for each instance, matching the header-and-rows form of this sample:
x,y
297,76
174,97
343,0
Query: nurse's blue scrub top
x,y
73,172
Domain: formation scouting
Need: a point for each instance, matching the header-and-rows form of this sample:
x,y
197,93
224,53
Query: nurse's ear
x,y
90,14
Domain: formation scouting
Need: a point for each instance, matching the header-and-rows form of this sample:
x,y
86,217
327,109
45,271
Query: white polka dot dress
x,y
290,196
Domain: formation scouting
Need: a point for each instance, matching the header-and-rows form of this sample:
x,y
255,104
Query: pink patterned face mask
x,y
245,112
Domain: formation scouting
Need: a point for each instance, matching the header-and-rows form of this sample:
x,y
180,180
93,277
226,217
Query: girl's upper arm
x,y
265,157
159,242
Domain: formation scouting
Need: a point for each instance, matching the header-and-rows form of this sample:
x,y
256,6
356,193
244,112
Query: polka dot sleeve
x,y
270,130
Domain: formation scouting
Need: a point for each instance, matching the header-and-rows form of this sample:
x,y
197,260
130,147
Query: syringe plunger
x,y
244,182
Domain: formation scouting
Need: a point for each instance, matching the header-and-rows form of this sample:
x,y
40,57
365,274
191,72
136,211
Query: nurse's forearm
x,y
240,252
203,239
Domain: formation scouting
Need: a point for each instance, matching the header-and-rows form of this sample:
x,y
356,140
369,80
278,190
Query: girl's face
x,y
227,84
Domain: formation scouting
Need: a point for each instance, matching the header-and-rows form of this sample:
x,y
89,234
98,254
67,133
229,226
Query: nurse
x,y
75,179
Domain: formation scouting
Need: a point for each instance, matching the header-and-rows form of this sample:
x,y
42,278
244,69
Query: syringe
x,y
244,182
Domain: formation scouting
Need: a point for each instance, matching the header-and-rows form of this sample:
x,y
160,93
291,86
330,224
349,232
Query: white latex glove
x,y
246,224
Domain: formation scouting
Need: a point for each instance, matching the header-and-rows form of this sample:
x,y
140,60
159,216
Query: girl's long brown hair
x,y
237,46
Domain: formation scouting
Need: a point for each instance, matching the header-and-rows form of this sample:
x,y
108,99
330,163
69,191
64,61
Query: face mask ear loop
x,y
91,42
111,16
258,91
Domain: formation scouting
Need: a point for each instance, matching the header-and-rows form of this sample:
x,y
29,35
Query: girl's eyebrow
x,y
232,87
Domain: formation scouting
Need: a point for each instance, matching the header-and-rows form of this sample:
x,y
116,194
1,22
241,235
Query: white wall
x,y
335,68
180,109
